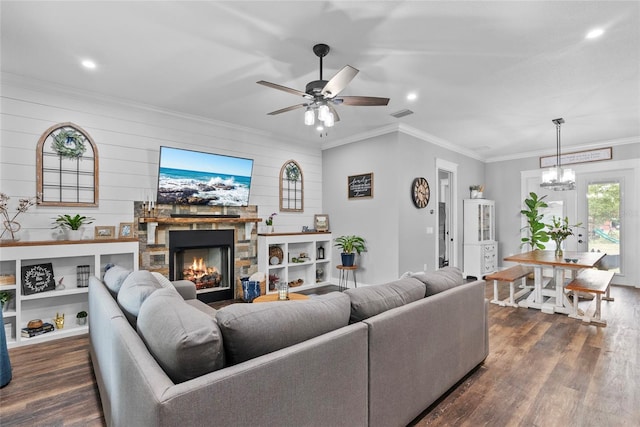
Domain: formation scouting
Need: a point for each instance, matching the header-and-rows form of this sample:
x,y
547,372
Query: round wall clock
x,y
420,192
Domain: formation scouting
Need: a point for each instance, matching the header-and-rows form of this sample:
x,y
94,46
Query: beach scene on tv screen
x,y
195,178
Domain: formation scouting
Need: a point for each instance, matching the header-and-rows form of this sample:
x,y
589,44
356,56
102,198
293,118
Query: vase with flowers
x,y
9,222
559,230
269,222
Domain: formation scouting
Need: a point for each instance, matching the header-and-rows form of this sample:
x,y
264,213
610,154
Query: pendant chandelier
x,y
556,178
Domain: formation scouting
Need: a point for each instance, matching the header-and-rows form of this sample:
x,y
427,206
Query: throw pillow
x,y
114,277
441,280
135,289
251,330
186,342
164,282
368,301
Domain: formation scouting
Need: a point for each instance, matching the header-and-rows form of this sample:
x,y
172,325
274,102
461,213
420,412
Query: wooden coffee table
x,y
274,297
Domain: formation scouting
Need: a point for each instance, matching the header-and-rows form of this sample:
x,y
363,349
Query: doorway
x,y
446,214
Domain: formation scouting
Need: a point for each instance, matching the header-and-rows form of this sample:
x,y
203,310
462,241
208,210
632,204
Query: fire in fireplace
x,y
204,257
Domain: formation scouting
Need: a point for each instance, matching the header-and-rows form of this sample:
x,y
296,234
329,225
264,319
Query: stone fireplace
x,y
213,252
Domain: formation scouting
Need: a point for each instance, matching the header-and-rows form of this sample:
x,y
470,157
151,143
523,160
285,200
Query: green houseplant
x,y
5,296
537,235
72,223
349,245
81,317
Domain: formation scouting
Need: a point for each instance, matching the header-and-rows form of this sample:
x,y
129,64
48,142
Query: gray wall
x,y
394,229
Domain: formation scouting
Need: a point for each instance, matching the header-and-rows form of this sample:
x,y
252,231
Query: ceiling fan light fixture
x,y
309,117
323,110
329,119
557,178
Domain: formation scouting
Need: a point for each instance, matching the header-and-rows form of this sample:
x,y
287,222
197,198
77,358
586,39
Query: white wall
x,y
128,138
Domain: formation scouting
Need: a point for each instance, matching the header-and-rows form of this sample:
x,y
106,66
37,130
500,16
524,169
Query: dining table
x,y
548,294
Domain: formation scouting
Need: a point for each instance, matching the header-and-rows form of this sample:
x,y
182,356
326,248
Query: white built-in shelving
x,y
64,256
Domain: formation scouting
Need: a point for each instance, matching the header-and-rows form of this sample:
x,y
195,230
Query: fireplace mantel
x,y
196,220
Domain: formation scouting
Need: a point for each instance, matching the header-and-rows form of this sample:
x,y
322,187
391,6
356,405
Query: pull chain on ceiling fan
x,y
321,95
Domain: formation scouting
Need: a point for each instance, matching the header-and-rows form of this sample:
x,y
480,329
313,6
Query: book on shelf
x,y
32,332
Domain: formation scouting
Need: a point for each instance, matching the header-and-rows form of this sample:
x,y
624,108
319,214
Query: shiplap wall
x,y
128,138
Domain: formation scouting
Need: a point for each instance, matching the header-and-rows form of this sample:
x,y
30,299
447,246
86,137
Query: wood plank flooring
x,y
542,370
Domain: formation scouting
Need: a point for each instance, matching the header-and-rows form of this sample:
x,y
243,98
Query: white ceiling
x,y
490,76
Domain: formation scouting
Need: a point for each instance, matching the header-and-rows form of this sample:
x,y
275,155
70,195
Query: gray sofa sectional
x,y
372,356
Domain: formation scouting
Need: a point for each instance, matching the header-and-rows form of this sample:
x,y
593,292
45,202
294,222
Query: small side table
x,y
274,297
344,276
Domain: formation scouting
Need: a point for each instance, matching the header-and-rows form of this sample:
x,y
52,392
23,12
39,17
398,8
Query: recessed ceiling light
x,y
412,96
87,63
595,33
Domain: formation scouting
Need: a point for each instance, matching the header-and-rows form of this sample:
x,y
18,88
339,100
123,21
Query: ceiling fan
x,y
322,95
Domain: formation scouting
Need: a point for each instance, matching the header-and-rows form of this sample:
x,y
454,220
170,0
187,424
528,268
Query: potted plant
x,y
5,296
536,228
71,225
81,317
349,245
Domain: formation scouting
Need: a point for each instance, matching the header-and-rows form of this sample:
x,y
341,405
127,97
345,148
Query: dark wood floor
x,y
542,370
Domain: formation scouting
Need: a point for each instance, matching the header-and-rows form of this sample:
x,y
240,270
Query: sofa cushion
x,y
114,277
368,301
251,330
440,280
134,290
186,342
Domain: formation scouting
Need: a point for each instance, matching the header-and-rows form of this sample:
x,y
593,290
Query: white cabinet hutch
x,y
480,246
303,259
65,257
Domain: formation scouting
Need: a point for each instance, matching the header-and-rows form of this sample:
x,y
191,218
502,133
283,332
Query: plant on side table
x,y
536,228
71,225
349,245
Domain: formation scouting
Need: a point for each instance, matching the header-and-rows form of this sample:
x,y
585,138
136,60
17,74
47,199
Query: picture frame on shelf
x,y
125,230
37,278
321,222
105,232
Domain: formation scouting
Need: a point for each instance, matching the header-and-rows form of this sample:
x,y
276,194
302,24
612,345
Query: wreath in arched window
x,y
67,167
291,187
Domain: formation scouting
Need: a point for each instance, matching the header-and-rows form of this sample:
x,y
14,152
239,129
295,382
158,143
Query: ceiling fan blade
x,y
284,110
339,81
283,88
364,100
336,117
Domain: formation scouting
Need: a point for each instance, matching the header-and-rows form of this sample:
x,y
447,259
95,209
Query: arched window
x,y
67,167
291,187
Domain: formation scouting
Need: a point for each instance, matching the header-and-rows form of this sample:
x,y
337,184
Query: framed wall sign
x,y
585,156
37,278
360,186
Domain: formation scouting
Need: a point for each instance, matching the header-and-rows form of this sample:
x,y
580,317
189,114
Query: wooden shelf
x,y
167,220
299,233
7,244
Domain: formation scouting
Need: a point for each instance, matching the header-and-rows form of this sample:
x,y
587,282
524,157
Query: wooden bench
x,y
510,275
593,281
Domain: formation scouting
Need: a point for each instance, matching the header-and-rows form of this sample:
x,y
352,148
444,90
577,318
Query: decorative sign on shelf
x,y
577,157
360,186
37,278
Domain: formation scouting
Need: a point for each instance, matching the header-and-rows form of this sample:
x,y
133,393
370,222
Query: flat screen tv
x,y
188,177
